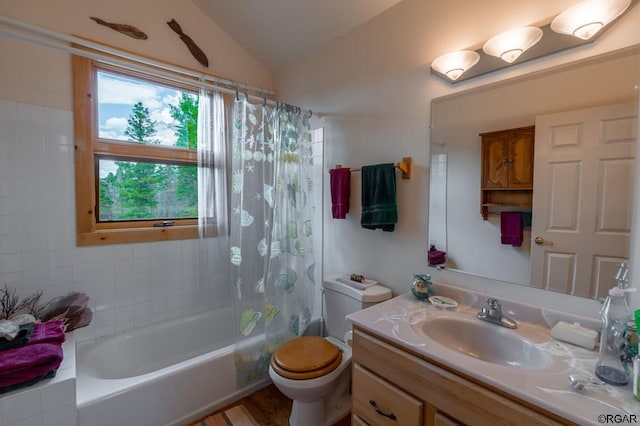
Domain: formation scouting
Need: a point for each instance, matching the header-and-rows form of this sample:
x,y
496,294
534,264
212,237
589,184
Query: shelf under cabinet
x,y
495,201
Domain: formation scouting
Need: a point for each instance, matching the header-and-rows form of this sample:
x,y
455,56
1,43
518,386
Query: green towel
x,y
379,208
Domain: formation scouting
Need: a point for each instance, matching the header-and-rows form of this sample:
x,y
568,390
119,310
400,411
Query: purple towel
x,y
47,375
47,332
340,191
28,362
511,228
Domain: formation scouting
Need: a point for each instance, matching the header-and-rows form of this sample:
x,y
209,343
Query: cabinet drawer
x,y
356,420
378,402
441,420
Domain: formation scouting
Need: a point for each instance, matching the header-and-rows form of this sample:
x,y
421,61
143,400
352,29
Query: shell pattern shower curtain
x,y
271,251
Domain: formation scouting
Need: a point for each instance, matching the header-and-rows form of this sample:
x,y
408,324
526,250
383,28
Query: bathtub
x,y
166,374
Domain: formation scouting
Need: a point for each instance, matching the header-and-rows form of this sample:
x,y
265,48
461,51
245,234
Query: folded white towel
x,y
8,329
575,333
355,284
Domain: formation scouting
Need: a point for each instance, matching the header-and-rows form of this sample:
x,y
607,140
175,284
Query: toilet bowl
x,y
321,400
315,372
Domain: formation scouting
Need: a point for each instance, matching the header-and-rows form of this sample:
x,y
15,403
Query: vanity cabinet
x,y
394,387
507,168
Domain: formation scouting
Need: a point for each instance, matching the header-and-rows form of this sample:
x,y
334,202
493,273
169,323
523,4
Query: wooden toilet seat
x,y
306,357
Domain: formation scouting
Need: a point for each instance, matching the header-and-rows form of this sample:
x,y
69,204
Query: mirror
x,y
474,245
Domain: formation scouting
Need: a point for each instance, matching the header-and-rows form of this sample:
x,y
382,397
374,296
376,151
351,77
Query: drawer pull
x,y
379,411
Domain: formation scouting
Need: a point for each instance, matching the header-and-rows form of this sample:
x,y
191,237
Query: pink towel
x,y
48,332
340,189
511,228
28,362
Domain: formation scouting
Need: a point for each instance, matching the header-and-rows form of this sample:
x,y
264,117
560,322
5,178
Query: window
x,y
136,157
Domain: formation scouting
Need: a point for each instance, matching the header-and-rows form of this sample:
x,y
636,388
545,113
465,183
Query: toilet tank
x,y
341,299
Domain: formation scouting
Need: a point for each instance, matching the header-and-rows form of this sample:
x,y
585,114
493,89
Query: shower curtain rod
x,y
131,61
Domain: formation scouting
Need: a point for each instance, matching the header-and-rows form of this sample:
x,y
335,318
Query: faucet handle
x,y
494,304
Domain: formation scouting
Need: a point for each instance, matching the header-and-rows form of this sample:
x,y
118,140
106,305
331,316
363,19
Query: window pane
x,y
135,110
132,190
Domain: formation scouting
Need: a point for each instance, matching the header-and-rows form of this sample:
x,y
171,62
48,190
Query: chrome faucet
x,y
493,313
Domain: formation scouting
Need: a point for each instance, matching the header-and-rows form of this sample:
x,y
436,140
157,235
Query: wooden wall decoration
x,y
125,29
193,47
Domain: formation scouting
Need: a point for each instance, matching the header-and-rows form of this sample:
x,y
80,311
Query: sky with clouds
x,y
116,97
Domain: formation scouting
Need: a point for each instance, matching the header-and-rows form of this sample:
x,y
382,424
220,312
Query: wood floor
x,y
271,408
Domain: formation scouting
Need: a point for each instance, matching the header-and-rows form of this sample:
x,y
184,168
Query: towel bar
x,y
405,166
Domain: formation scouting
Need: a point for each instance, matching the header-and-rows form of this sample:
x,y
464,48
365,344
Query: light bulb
x,y
454,64
509,45
585,19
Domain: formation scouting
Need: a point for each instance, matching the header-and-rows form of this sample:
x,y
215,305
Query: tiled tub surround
x,y
399,319
129,285
51,402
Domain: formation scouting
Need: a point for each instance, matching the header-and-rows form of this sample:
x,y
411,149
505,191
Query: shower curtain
x,y
213,200
271,253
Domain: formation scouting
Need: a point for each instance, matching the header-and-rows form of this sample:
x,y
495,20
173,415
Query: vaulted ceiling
x,y
277,32
280,32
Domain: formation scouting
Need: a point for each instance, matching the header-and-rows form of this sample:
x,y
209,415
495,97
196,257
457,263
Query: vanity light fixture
x,y
578,25
454,64
509,45
585,19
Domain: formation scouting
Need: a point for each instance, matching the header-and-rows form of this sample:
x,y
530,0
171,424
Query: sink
x,y
484,341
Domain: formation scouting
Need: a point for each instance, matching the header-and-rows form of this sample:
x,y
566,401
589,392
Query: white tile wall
x,y
129,286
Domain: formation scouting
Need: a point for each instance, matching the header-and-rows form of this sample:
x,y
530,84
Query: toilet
x,y
314,372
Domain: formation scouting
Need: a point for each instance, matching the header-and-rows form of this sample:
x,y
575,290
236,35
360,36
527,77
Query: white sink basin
x,y
487,342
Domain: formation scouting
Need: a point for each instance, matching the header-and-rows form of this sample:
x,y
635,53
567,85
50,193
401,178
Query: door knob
x,y
541,241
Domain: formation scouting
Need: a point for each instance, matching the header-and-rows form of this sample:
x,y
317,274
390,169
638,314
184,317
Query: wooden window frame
x,y
88,147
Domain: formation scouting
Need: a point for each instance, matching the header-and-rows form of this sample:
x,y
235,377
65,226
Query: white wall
x,y
375,89
43,77
129,285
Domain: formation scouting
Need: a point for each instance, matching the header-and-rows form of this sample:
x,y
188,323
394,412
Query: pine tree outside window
x,y
136,156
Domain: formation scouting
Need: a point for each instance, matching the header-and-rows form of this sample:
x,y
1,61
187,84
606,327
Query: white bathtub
x,y
167,374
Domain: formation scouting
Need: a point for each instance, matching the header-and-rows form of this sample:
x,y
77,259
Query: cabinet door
x,y
495,160
520,159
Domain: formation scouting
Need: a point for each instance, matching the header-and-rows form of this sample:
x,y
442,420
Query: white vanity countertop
x,y
398,321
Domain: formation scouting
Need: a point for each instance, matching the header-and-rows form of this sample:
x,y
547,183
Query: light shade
x,y
454,64
585,19
510,44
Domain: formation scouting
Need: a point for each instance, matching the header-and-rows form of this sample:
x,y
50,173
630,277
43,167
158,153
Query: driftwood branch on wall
x,y
125,29
193,47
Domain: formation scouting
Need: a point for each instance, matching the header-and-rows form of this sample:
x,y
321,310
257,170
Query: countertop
x,y
398,320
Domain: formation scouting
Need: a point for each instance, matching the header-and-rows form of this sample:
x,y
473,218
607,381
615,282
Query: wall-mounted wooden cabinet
x,y
507,169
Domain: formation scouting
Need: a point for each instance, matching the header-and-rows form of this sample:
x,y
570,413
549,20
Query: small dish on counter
x,y
443,301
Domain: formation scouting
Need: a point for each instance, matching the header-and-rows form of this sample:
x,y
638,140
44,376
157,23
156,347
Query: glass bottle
x,y
615,312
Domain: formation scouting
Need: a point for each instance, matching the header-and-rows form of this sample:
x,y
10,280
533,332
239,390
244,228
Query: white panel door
x,y
582,196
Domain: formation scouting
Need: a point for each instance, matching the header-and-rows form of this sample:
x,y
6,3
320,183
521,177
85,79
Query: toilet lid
x,y
306,357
